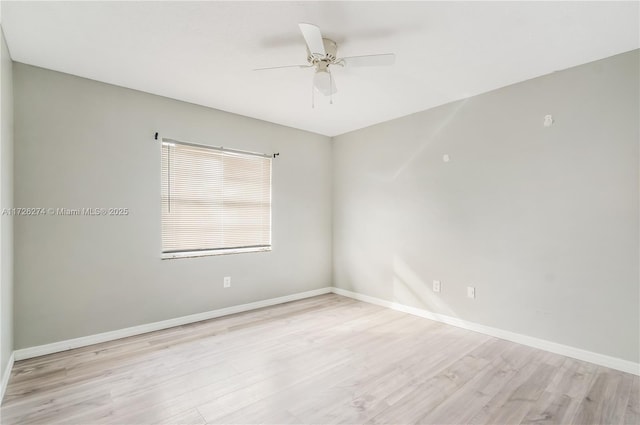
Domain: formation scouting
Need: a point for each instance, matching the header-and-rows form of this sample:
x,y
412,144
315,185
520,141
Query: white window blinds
x,y
214,200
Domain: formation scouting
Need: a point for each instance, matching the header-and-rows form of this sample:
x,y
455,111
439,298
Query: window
x,y
214,201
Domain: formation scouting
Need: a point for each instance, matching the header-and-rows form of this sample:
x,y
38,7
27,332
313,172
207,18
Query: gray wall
x,y
542,221
6,201
80,143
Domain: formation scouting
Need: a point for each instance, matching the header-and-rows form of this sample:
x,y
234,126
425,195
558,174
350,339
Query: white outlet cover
x,y
227,281
471,292
436,286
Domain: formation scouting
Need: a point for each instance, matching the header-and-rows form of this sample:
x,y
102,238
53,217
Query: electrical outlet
x,y
436,286
471,292
227,281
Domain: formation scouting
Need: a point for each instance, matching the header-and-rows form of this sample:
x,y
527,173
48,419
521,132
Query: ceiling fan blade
x,y
384,59
279,67
313,37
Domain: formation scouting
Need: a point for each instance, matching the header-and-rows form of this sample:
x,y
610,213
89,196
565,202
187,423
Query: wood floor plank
x,y
483,388
591,407
184,358
580,384
189,417
523,397
422,396
283,361
386,382
632,412
555,402
354,374
327,359
346,347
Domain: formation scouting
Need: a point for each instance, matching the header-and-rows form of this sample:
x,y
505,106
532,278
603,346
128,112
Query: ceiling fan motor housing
x,y
331,50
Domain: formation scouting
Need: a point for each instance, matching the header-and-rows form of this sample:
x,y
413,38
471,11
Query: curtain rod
x,y
219,148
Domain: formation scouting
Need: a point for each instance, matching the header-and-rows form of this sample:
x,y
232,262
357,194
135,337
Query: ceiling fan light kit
x,y
323,82
322,54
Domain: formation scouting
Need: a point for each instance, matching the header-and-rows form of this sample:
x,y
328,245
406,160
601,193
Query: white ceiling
x,y
204,52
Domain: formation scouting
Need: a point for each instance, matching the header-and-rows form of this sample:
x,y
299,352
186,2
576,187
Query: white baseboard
x,y
554,347
55,347
5,376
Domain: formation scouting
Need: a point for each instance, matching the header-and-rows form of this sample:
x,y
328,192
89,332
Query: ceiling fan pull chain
x,y
330,89
313,103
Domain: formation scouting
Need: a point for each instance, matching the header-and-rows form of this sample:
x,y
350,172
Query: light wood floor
x,y
327,359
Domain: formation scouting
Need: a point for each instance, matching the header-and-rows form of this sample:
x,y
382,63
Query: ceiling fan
x,y
322,54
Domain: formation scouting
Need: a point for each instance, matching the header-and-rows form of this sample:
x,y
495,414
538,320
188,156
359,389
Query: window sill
x,y
195,254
